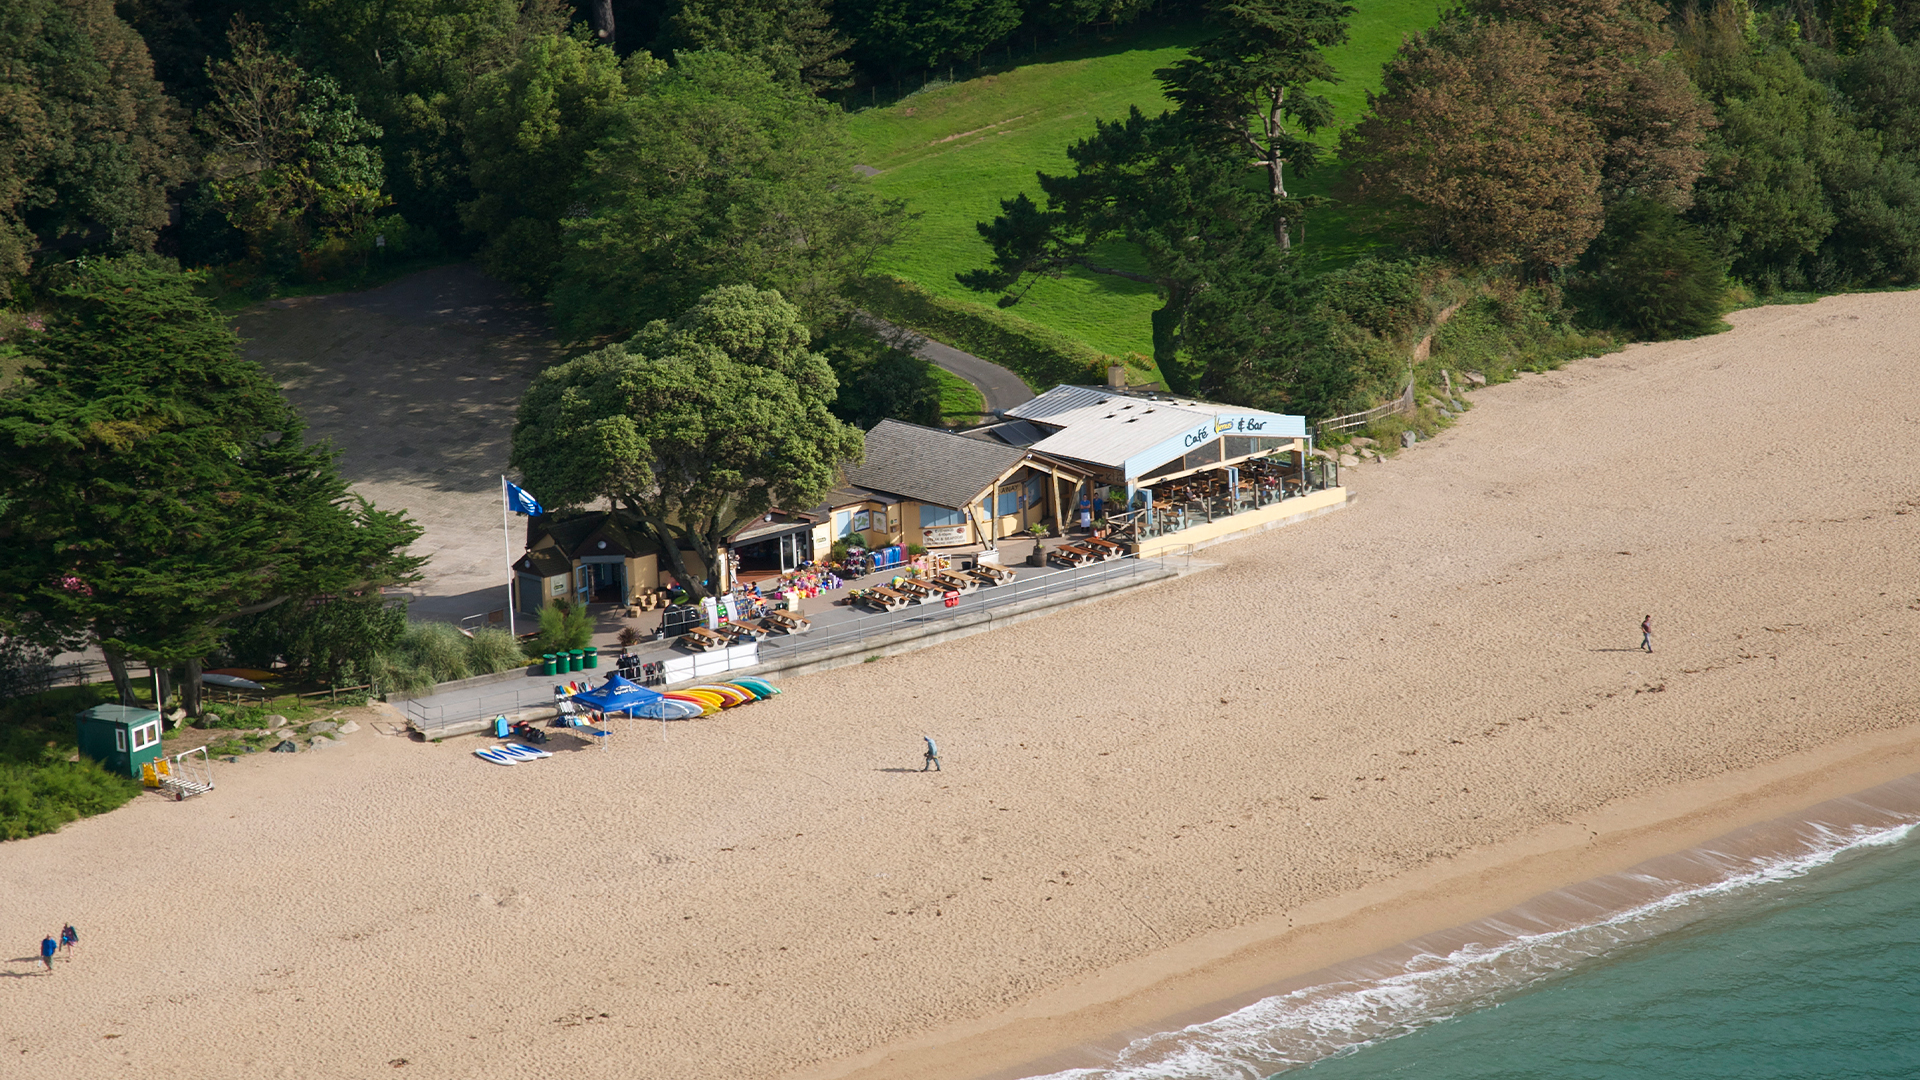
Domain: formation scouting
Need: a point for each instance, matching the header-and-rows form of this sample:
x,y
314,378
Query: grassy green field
x,y
960,402
953,152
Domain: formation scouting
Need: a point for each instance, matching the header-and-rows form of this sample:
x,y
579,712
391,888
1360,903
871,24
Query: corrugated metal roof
x,y
929,465
1110,435
1115,429
1058,400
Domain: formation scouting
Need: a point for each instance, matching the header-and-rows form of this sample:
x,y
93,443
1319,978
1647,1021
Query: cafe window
x,y
842,524
146,735
1035,490
936,516
1009,502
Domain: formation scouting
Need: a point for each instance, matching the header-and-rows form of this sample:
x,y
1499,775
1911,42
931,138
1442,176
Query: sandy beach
x,y
1379,723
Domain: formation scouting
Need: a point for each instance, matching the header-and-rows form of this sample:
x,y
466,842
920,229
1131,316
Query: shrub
x,y
429,653
40,790
564,625
1651,274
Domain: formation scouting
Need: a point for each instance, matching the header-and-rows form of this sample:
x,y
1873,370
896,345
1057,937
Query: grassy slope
x,y
954,152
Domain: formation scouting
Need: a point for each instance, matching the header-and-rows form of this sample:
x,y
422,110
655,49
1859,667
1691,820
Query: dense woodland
x,y
676,179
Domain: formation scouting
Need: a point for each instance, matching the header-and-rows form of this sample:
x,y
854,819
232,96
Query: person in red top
x,y
1646,633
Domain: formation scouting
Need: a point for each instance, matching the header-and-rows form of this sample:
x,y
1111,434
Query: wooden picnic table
x,y
951,583
702,639
742,630
786,623
988,573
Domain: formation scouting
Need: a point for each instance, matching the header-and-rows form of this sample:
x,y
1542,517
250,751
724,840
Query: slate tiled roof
x,y
544,562
929,465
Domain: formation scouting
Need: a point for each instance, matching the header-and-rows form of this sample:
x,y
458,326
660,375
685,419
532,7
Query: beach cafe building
x,y
594,557
939,489
1171,471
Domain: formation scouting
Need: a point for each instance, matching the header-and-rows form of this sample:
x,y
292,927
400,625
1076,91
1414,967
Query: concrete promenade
x,y
840,634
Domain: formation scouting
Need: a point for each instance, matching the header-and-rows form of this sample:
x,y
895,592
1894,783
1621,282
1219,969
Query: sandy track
x,y
1447,664
415,383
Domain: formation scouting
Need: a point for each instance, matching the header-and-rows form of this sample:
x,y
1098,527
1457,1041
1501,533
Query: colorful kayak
x,y
748,690
758,686
729,696
708,703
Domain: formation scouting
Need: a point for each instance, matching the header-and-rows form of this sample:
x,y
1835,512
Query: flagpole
x,y
506,538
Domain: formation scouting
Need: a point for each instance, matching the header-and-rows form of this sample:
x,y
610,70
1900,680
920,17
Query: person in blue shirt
x,y
933,755
48,946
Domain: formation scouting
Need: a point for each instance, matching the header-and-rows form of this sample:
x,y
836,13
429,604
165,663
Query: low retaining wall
x,y
1240,526
911,638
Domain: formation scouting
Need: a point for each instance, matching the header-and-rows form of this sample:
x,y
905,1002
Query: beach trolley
x,y
122,738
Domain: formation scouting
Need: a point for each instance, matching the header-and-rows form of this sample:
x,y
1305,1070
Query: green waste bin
x,y
574,658
593,657
547,664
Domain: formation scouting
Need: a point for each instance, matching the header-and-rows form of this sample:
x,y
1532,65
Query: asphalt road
x,y
1001,388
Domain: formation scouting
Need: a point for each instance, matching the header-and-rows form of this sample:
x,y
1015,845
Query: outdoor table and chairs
x,y
884,598
700,639
920,591
1074,555
785,622
741,631
990,574
1100,543
953,582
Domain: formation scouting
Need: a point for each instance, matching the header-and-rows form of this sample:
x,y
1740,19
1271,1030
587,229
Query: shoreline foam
x,y
1437,976
1648,852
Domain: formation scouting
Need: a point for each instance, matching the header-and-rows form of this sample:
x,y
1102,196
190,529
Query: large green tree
x,y
1150,183
1247,87
291,157
1615,58
89,142
529,128
898,36
1476,145
797,39
695,427
716,174
157,485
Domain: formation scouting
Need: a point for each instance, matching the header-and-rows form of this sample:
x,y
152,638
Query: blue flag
x,y
521,502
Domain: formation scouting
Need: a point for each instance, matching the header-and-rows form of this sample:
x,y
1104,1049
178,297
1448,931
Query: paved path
x,y
833,624
416,383
1002,388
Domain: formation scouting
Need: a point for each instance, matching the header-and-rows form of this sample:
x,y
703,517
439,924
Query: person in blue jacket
x,y
933,755
48,946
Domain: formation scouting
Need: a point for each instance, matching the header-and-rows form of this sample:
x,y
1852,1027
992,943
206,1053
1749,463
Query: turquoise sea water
x,y
1818,976
1803,961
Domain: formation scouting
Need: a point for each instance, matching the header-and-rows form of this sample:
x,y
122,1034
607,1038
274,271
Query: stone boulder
x,y
321,727
349,728
319,741
285,746
1408,438
1362,440
1474,378
1347,461
274,720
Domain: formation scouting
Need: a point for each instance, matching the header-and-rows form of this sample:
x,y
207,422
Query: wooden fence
x,y
1401,404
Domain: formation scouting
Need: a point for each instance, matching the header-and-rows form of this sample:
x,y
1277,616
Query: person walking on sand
x,y
48,946
69,937
933,756
1646,633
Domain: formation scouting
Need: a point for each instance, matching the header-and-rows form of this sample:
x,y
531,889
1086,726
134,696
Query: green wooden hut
x,y
119,737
